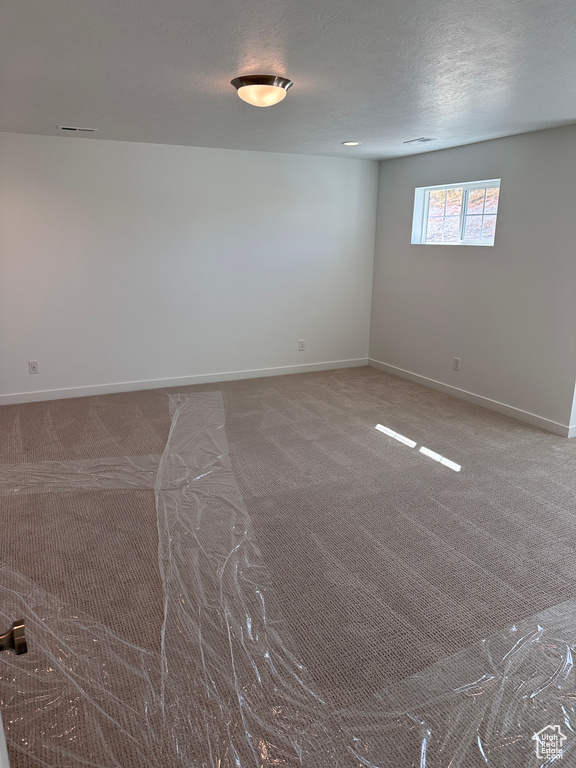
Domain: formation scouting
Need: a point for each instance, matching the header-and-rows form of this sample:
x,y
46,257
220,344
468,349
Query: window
x,y
456,214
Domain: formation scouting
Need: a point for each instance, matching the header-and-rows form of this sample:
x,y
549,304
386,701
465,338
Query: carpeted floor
x,y
383,562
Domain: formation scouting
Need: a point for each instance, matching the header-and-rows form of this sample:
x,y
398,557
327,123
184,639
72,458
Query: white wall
x,y
124,262
508,311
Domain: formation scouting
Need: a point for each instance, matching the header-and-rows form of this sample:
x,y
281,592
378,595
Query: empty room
x,y
287,384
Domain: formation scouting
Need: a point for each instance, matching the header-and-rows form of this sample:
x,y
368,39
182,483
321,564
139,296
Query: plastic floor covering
x,y
221,682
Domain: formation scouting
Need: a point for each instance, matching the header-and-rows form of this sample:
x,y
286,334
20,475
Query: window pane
x,y
434,230
489,228
476,201
453,202
436,204
473,229
451,229
462,213
492,195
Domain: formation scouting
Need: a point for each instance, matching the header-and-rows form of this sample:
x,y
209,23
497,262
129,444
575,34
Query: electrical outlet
x,y
456,364
301,345
33,366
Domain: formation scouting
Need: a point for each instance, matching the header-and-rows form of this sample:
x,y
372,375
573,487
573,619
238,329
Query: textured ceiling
x,y
378,71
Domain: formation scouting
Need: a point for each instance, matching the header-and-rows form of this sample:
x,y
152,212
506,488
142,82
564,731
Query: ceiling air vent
x,y
421,140
76,129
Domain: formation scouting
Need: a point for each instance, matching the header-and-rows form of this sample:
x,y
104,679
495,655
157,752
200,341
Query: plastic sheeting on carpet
x,y
484,706
226,688
86,474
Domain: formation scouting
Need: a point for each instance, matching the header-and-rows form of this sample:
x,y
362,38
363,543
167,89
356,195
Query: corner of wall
x,y
376,225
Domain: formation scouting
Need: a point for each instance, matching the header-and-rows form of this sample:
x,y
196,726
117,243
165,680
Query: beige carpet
x,y
382,562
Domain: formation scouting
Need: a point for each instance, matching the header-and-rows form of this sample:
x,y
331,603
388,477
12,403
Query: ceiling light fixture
x,y
262,90
351,143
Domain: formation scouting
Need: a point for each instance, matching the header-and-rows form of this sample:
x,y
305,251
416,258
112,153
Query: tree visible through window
x,y
459,214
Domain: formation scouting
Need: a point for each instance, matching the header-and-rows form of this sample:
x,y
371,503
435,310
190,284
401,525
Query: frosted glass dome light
x,y
262,90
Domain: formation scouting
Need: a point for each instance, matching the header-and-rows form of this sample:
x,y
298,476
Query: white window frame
x,y
421,204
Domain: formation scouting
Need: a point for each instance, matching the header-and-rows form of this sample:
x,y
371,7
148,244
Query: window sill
x,y
476,245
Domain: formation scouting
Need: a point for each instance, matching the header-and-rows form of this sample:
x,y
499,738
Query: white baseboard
x,y
485,402
179,381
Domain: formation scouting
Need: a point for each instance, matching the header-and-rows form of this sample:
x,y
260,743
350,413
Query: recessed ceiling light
x,y
351,143
421,140
262,90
